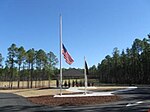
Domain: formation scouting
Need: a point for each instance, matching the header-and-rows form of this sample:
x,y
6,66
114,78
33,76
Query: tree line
x,y
130,66
27,65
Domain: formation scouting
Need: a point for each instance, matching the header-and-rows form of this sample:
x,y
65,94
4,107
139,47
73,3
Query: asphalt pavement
x,y
11,102
137,100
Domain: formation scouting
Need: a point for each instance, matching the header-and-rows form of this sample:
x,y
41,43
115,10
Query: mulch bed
x,y
72,101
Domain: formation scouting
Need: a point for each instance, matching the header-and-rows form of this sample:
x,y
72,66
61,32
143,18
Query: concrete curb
x,y
90,93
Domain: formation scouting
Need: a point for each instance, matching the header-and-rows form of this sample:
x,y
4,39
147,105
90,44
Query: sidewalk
x,y
89,92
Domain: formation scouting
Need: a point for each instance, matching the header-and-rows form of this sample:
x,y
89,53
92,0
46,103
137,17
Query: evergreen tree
x,y
11,60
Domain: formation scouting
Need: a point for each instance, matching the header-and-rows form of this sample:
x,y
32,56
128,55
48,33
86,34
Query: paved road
x,y
11,102
137,100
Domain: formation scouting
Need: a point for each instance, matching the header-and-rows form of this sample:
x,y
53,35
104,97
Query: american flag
x,y
67,57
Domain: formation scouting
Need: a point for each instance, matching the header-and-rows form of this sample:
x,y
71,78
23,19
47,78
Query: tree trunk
x,y
28,83
49,80
19,78
31,76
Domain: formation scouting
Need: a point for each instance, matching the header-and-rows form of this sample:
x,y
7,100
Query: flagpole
x,y
60,34
85,77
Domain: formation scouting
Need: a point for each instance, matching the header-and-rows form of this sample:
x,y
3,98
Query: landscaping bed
x,y
72,101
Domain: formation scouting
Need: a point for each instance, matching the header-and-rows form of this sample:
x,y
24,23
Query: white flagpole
x,y
85,77
60,34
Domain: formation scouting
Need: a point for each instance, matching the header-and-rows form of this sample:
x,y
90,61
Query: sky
x,y
90,28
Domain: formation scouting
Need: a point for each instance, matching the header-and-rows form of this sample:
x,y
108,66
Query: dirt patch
x,y
72,101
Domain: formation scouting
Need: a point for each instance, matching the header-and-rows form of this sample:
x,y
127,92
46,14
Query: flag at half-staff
x,y
85,74
86,68
63,51
67,56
